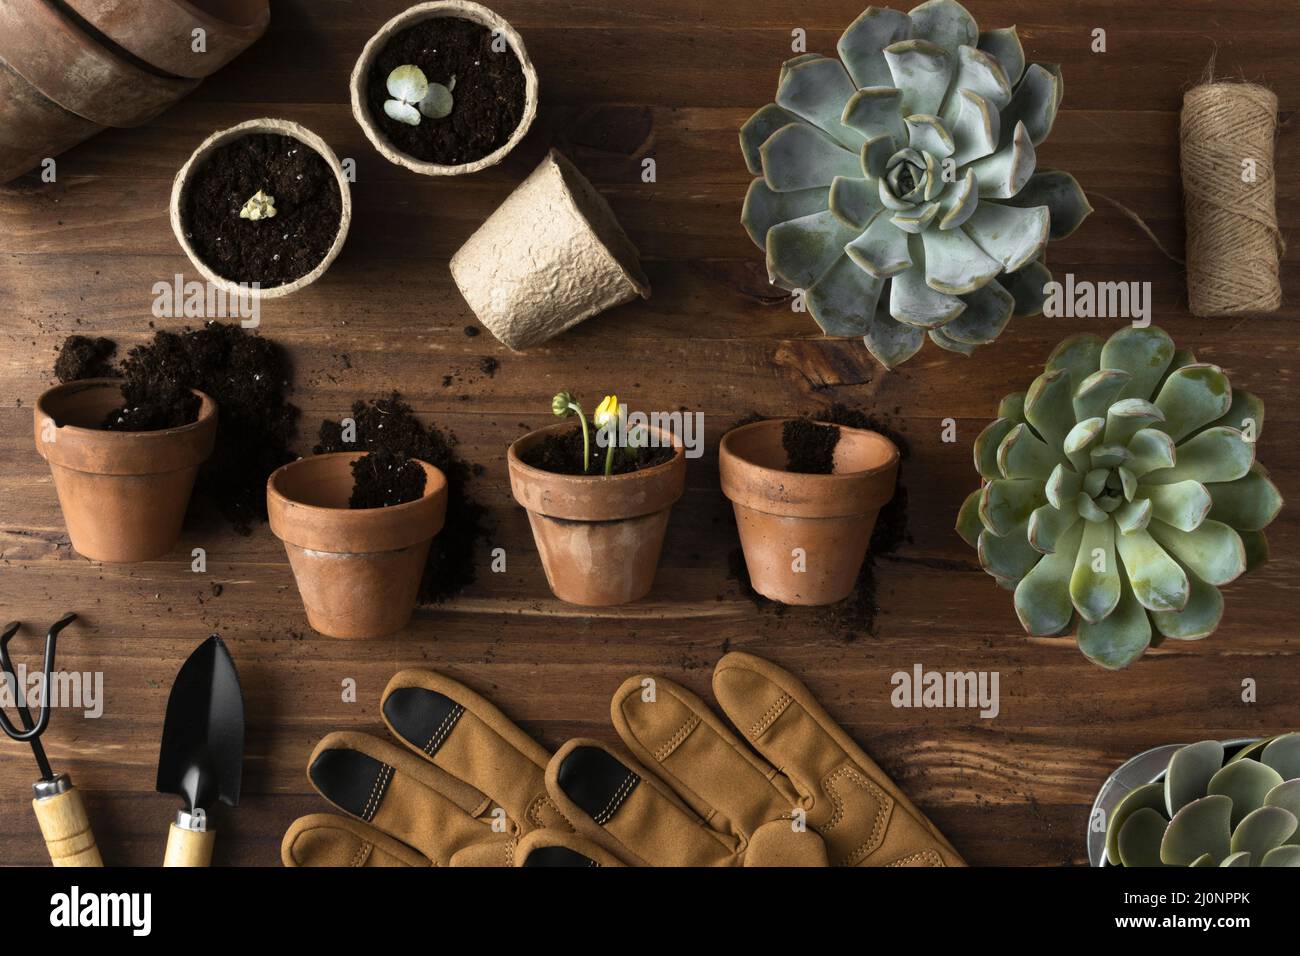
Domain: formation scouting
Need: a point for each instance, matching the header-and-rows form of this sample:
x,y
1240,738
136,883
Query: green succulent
x,y
897,184
1209,813
1120,492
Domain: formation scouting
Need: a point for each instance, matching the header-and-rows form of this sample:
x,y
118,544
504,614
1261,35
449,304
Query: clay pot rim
x,y
456,9
839,477
265,124
207,411
518,464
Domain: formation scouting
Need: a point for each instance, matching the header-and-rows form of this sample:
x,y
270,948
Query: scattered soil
x,y
83,357
249,378
487,101
809,446
384,479
274,251
388,425
855,616
562,455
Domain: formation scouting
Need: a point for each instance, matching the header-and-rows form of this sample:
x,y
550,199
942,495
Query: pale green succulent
x,y
897,187
414,96
1205,812
1120,492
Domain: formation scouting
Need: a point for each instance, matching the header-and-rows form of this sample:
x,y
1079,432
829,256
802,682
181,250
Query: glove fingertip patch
x,y
354,782
422,717
596,781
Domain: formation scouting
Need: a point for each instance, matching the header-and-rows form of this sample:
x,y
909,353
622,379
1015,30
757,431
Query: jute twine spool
x,y
1233,241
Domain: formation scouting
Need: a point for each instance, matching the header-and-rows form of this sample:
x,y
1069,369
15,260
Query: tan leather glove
x,y
693,794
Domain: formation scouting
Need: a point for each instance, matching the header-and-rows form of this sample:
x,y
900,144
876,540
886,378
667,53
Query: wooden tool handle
x,y
66,829
188,847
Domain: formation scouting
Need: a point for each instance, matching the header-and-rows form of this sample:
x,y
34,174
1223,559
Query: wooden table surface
x,y
621,81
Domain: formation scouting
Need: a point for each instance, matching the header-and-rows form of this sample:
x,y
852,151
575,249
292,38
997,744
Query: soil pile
x,y
487,99
809,447
388,425
562,455
383,479
83,357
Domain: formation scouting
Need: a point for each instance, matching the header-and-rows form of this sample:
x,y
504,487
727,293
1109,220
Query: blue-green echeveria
x,y
1120,493
897,184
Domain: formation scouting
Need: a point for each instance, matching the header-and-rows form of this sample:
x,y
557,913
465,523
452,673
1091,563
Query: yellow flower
x,y
606,411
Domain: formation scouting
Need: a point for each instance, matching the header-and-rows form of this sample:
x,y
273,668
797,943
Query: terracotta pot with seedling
x,y
445,88
357,528
124,480
598,495
262,209
806,497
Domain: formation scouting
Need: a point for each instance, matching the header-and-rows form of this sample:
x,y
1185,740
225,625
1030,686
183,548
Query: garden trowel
x,y
202,753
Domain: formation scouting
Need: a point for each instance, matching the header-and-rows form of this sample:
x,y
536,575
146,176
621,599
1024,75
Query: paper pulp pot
x,y
180,191
460,10
805,536
599,538
551,256
123,494
358,570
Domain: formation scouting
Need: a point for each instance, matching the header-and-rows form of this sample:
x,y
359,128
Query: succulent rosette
x,y
897,184
1208,812
1120,493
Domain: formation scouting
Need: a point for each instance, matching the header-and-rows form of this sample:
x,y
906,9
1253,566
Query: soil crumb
x,y
388,425
809,446
487,87
383,479
562,455
83,357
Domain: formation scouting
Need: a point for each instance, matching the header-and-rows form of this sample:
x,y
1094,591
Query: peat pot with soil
x,y
261,208
123,472
598,508
806,496
357,528
445,88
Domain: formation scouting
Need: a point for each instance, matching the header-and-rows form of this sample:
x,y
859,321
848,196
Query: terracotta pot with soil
x,y
806,495
123,493
478,68
599,537
262,202
357,563
552,255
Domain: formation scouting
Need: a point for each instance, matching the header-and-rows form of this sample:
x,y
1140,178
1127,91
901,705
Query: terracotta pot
x,y
32,126
181,184
551,256
74,69
461,10
830,517
358,569
599,538
123,494
160,32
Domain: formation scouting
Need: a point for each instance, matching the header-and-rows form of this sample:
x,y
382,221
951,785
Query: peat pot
x,y
358,570
829,518
599,538
123,494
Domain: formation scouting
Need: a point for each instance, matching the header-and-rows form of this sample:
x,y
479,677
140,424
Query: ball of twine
x,y
1233,240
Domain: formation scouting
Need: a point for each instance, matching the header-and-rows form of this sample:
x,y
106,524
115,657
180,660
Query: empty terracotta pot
x,y
463,10
787,520
358,569
599,538
123,494
161,32
32,126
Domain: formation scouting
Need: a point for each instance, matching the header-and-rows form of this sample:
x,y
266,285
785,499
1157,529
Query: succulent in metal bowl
x,y
897,184
1120,493
1208,812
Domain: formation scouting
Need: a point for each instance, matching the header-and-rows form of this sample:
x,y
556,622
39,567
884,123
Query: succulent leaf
x,y
765,208
1283,755
861,44
816,90
889,341
1033,103
1202,826
1247,783
945,23
1005,47
922,70
833,299
799,156
1139,838
756,131
1059,192
803,249
1262,831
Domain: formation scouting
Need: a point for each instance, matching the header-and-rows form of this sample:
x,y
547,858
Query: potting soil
x,y
272,251
83,357
562,455
487,99
809,446
383,479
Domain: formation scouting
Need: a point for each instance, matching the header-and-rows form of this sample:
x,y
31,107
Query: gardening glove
x,y
690,793
466,790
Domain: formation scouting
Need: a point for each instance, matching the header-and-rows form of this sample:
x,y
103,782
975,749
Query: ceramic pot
x,y
32,126
462,10
599,538
74,69
358,569
552,255
161,32
123,494
829,517
180,189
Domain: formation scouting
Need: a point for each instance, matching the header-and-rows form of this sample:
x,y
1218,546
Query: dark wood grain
x,y
621,82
